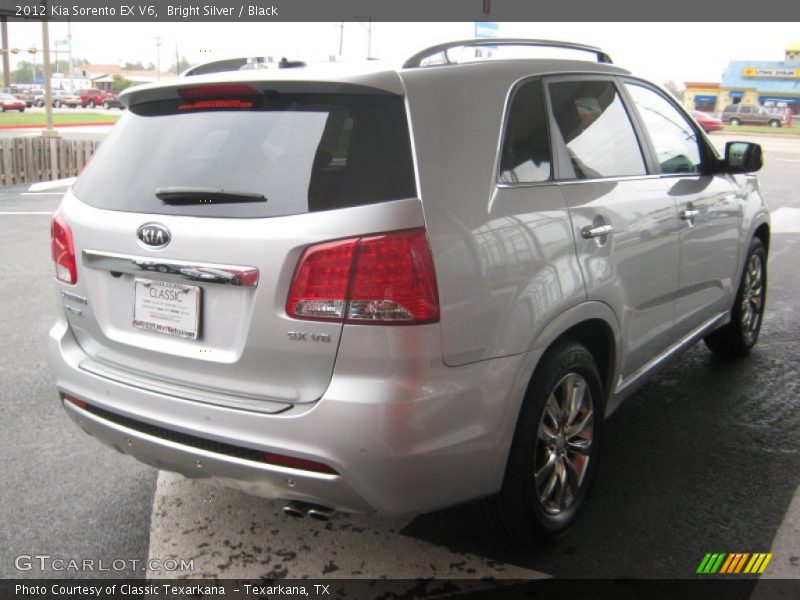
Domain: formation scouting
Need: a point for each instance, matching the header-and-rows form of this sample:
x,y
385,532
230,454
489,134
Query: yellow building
x,y
775,84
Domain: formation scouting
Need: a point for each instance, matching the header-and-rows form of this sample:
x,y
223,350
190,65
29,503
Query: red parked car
x,y
8,102
92,97
706,121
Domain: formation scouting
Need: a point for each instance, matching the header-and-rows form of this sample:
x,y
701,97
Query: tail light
x,y
380,279
63,250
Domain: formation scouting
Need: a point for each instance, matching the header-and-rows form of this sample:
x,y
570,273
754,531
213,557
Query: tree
x,y
119,83
674,89
180,66
24,72
137,66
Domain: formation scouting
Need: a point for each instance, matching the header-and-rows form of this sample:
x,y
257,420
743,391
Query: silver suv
x,y
397,290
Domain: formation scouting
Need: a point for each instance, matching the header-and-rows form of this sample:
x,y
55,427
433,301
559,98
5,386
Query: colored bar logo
x,y
733,563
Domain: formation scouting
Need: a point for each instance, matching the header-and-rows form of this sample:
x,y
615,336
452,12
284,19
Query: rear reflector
x,y
381,279
62,250
282,460
75,401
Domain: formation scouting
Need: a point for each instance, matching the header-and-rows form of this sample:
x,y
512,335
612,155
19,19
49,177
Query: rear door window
x,y
596,129
281,153
525,156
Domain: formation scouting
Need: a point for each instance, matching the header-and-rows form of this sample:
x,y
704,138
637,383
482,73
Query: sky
x,y
658,51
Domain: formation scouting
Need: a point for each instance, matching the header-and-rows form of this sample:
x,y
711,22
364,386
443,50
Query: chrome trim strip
x,y
189,270
683,343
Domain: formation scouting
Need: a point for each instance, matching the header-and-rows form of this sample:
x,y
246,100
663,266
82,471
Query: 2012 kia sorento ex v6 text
x,y
397,290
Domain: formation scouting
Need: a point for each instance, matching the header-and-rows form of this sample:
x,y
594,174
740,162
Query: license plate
x,y
165,307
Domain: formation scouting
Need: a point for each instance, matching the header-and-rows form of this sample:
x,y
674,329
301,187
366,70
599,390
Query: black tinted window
x,y
596,129
525,157
674,139
303,152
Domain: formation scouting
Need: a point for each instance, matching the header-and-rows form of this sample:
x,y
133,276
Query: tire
x,y
56,104
774,123
2,109
557,445
735,121
737,337
22,110
90,104
106,105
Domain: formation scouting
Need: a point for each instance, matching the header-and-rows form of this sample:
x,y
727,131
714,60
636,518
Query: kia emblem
x,y
153,235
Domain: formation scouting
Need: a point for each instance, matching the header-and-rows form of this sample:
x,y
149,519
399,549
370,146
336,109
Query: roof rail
x,y
416,60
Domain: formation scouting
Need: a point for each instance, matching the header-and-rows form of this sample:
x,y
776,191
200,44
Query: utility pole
x,y
177,62
49,132
360,21
158,58
71,64
369,39
341,37
6,62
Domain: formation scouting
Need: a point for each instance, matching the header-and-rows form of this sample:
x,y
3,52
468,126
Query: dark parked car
x,y
750,114
110,103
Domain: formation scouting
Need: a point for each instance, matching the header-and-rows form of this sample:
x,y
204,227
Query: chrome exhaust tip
x,y
320,513
298,509
295,509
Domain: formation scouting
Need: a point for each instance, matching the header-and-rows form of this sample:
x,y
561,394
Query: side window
x,y
674,139
525,157
745,109
596,129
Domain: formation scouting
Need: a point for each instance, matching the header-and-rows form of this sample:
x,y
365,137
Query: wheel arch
x,y
592,323
595,326
762,233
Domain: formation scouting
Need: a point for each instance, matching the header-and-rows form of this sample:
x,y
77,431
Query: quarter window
x,y
525,157
596,129
674,139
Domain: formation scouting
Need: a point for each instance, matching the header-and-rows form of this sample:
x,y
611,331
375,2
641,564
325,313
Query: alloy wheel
x,y
752,295
564,444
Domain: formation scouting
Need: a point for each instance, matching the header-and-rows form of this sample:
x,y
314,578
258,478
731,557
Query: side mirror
x,y
742,157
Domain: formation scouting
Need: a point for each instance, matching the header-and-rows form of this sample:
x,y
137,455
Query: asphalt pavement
x,y
704,458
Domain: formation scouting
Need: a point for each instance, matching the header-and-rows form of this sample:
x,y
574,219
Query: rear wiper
x,y
181,195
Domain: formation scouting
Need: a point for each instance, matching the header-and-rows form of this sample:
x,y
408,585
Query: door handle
x,y
589,232
689,214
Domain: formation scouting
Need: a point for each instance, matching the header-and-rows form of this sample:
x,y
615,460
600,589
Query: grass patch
x,y
761,129
31,118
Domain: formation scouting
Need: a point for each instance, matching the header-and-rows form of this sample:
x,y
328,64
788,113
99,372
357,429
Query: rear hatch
x,y
210,193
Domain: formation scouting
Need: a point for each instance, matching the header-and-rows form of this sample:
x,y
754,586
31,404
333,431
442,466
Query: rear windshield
x,y
277,154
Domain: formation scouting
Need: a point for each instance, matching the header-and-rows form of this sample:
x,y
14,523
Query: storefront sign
x,y
775,72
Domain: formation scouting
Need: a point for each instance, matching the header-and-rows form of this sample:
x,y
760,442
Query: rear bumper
x,y
405,434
